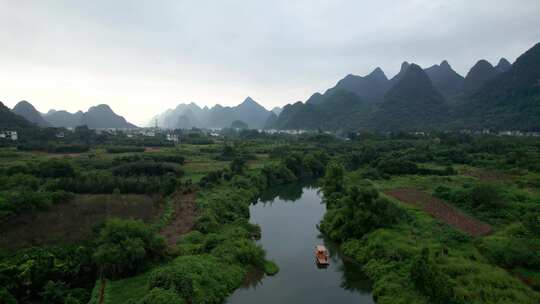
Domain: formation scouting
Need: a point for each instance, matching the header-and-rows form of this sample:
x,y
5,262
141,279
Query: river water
x,y
288,217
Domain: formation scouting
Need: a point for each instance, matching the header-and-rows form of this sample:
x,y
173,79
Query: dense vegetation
x,y
410,256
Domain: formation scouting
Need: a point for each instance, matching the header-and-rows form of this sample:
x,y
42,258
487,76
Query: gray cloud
x,y
144,56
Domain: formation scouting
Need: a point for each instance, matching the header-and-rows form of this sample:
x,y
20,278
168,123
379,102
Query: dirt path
x,y
183,218
441,210
102,292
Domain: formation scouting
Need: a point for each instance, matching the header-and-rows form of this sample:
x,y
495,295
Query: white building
x,y
173,137
9,135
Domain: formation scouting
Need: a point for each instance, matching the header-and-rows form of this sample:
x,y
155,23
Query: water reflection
x,y
289,217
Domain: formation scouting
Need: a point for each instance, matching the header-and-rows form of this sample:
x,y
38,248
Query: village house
x,y
9,135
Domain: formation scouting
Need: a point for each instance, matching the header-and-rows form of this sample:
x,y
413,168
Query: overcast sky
x,y
142,57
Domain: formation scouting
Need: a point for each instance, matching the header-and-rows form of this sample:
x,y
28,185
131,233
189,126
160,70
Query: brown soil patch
x,y
441,210
487,175
183,220
73,221
152,149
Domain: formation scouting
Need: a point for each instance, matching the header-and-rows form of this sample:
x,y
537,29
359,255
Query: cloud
x,y
144,56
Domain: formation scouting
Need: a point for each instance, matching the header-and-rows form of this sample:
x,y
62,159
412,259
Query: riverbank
x,y
410,256
215,257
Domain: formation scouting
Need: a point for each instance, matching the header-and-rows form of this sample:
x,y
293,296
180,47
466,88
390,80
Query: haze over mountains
x,y
191,115
97,117
502,97
505,96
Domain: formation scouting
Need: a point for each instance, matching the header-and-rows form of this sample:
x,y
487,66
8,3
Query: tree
x,y
126,246
485,196
430,280
237,166
6,297
358,212
333,179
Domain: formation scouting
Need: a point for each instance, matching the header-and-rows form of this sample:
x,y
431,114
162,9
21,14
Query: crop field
x,y
73,221
441,211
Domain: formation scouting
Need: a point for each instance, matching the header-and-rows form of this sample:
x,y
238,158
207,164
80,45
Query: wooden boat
x,y
321,256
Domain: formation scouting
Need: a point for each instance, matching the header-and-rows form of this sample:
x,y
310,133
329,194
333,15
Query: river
x,y
288,217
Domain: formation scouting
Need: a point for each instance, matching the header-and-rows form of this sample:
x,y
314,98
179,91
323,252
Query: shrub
x,y
55,168
430,280
147,168
126,246
124,149
6,297
198,279
358,212
333,179
161,296
397,166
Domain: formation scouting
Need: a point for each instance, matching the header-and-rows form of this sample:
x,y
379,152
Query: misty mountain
x,y
191,115
480,74
503,65
509,101
340,109
370,88
412,104
447,81
27,110
404,66
97,117
12,121
276,110
63,118
102,116
271,120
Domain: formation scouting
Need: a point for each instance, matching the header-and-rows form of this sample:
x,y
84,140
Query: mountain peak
x,y
404,66
414,81
480,73
445,79
101,107
378,74
415,72
29,112
503,65
445,64
249,100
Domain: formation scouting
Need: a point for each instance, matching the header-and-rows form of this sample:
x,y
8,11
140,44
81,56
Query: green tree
x,y
126,246
333,179
237,166
430,280
358,212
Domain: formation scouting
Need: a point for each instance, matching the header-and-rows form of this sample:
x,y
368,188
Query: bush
x,y
125,247
124,149
397,166
333,179
358,212
161,296
147,169
55,168
6,297
198,279
430,280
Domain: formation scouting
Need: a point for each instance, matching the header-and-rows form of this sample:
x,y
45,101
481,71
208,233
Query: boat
x,y
321,256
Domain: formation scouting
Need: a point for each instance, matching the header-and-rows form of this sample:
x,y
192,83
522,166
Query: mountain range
x,y
191,115
12,121
97,117
505,96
